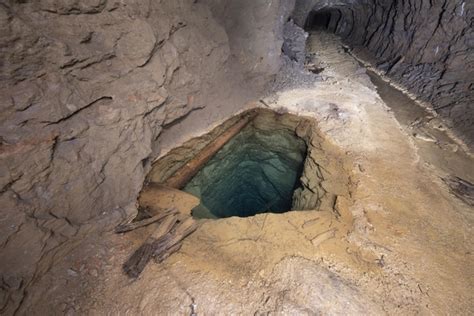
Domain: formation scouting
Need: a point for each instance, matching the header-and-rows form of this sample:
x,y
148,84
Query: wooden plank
x,y
134,225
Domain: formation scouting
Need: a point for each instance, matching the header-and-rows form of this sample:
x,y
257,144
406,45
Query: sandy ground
x,y
402,245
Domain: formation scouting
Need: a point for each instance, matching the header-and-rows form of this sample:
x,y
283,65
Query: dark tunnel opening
x,y
319,20
323,20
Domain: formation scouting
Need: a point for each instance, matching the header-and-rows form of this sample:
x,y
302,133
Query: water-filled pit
x,y
257,171
272,165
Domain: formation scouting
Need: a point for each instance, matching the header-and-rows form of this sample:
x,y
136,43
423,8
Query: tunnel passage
x,y
256,172
423,48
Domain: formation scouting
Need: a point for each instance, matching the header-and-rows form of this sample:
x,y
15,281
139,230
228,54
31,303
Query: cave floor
x,y
401,245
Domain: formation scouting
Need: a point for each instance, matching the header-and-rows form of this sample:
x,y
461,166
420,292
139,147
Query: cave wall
x,y
425,46
88,92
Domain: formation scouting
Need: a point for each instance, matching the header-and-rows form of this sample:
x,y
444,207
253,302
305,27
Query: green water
x,y
256,172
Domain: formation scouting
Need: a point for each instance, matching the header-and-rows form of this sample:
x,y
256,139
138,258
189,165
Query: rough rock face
x,y
425,46
87,89
294,45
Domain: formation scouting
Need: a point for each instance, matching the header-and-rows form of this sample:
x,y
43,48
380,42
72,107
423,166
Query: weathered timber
x,y
140,258
134,225
182,176
162,257
169,242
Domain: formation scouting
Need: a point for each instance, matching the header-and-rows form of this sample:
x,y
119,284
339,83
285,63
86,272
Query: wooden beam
x,y
123,228
183,175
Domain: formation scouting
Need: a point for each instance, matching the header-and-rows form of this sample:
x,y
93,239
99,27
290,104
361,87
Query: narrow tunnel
x,y
405,43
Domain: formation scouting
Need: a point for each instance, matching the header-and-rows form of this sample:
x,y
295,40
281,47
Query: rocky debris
x,y
294,42
293,75
293,72
320,188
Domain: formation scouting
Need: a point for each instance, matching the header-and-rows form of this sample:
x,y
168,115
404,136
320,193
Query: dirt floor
x,y
402,243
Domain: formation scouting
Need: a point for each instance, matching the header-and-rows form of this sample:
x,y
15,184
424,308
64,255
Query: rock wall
x,y
425,46
88,92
